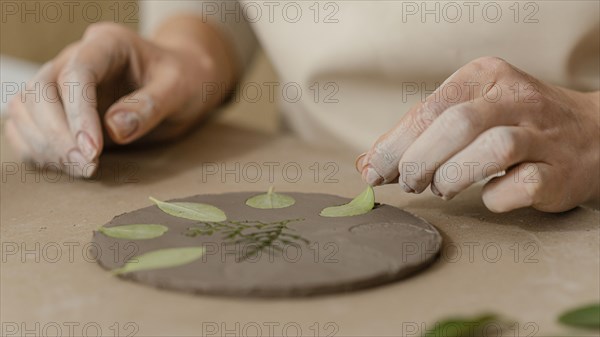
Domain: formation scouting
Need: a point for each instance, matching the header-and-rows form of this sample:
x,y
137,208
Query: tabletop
x,y
526,266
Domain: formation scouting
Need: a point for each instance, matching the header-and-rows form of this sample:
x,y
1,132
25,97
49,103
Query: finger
x,y
527,184
468,83
49,117
358,163
451,132
102,52
43,125
41,149
19,144
26,128
134,115
493,152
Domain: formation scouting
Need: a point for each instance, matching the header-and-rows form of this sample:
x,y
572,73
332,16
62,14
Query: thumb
x,y
527,184
134,115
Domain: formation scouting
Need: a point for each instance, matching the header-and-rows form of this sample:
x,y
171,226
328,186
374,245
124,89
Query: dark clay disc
x,y
290,251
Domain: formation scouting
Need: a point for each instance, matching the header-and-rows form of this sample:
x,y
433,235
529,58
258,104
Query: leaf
x,y
191,210
462,327
162,258
582,317
270,200
362,204
134,232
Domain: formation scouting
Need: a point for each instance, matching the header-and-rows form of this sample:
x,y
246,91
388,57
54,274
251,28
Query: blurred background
x,y
33,32
37,30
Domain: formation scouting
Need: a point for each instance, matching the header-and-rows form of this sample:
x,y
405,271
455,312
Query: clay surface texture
x,y
284,252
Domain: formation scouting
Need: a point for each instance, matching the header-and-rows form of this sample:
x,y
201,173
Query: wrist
x,y
205,50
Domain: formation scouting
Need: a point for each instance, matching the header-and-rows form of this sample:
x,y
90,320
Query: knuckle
x,y
489,65
68,72
422,119
103,29
490,62
65,53
502,144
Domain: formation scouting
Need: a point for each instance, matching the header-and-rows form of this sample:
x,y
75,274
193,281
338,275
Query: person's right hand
x,y
112,82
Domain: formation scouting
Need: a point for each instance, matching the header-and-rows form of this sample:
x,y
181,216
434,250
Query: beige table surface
x,y
548,262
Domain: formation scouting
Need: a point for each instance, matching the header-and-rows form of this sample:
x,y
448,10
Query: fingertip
x,y
436,192
496,207
371,177
359,162
122,126
92,170
77,165
500,195
88,147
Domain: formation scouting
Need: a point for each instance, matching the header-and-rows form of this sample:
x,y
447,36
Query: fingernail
x,y
358,163
372,177
124,124
435,191
81,164
86,145
406,188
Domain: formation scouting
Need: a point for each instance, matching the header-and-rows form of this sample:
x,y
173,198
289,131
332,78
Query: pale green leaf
x,y
191,210
162,258
362,204
270,200
134,232
464,327
583,317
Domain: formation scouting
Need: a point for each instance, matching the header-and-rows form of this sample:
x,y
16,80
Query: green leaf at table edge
x,y
191,210
134,231
270,200
162,258
587,316
362,204
469,325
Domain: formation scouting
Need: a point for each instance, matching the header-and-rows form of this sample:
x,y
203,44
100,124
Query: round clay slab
x,y
290,251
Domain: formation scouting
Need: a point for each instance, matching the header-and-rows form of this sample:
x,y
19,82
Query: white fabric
x,y
225,15
378,49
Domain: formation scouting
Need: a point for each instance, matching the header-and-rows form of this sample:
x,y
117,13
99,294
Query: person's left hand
x,y
488,118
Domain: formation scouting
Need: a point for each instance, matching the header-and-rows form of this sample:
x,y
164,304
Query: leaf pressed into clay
x,y
191,210
583,317
135,231
270,200
162,258
362,204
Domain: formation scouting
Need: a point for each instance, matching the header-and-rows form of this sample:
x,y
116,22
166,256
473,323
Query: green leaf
x,y
582,317
191,210
270,200
162,258
462,327
134,232
362,204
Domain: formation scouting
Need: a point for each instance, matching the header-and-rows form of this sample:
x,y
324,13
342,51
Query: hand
x,y
486,119
115,82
